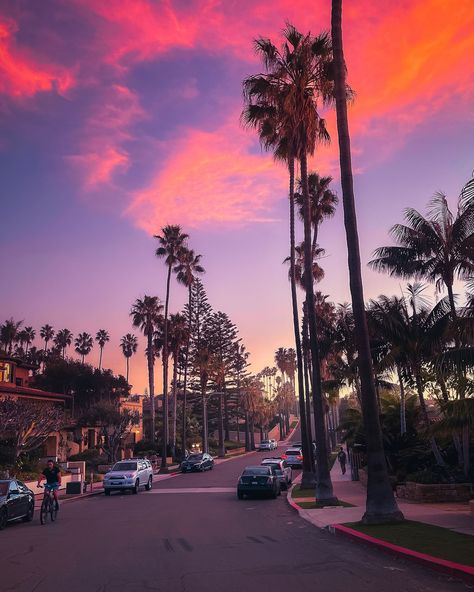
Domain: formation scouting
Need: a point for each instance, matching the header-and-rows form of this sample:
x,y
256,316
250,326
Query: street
x,y
191,534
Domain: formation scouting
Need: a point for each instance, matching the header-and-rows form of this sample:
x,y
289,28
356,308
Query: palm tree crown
x,y
63,340
438,248
83,344
46,333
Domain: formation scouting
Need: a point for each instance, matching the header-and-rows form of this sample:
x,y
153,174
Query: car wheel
x,y
149,484
240,495
136,488
31,511
3,518
107,491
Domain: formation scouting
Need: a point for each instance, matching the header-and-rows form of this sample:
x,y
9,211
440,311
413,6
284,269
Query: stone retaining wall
x,y
434,493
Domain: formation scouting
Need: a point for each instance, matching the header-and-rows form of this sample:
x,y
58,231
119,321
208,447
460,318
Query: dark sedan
x,y
197,462
261,480
16,501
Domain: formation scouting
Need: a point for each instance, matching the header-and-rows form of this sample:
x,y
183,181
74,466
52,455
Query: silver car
x,y
294,458
284,472
129,474
265,445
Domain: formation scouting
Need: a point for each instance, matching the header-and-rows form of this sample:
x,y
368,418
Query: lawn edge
x,y
445,566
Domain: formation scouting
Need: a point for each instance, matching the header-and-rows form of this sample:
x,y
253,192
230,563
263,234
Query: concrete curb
x,y
450,568
465,572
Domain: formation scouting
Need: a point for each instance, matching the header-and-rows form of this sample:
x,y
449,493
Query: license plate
x,y
115,482
254,483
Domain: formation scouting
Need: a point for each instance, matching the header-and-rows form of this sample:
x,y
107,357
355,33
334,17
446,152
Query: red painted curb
x,y
451,568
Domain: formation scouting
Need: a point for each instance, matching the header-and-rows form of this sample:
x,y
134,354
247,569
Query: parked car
x,y
283,471
129,474
300,446
275,443
16,501
257,481
294,458
197,461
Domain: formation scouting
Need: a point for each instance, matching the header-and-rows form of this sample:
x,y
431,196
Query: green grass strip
x,y
424,538
314,505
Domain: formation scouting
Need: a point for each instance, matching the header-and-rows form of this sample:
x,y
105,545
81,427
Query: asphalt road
x,y
176,539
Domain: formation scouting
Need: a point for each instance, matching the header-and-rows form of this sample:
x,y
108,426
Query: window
x,y
19,381
5,372
14,488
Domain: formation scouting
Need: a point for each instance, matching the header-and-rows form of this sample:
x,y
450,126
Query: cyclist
x,y
52,474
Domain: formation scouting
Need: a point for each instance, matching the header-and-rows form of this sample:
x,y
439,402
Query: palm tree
x,y
83,345
63,339
29,337
145,315
46,333
8,333
102,337
172,245
203,363
186,272
323,202
381,505
178,338
129,345
438,248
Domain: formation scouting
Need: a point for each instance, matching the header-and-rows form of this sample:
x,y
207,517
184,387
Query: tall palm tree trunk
x,y
151,384
247,431
324,489
381,505
403,421
100,358
128,367
185,381
164,448
226,416
424,412
252,434
175,404
308,478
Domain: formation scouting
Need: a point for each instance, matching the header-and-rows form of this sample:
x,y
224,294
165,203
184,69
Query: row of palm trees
x,y
283,104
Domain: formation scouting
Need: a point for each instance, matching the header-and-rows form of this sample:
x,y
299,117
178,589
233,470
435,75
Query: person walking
x,y
342,458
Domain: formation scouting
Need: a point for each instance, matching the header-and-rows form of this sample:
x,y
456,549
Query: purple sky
x,y
117,118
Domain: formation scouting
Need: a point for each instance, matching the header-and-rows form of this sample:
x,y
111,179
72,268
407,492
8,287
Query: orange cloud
x,y
20,75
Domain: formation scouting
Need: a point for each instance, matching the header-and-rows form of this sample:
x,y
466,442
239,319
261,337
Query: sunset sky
x,y
120,116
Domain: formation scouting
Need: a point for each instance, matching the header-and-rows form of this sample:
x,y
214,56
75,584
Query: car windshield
x,y
3,488
125,466
255,471
195,457
293,452
265,442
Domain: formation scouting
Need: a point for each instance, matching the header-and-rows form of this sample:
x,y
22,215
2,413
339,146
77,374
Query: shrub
x,y
92,458
437,475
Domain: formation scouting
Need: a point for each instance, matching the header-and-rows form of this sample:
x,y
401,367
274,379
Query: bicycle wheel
x,y
44,510
52,509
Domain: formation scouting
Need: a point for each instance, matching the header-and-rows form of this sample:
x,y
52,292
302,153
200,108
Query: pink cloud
x,y
20,74
106,132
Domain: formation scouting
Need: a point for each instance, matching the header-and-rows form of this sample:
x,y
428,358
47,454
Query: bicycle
x,y
48,506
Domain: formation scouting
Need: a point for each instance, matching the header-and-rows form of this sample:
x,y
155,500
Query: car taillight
x,y
284,456
300,457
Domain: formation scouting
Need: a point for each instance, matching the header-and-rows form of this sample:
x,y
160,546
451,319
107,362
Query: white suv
x,y
129,474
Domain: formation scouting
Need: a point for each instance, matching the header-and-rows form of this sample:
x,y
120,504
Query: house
x,y
15,378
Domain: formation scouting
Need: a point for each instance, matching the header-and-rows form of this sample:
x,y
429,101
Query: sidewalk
x,y
456,517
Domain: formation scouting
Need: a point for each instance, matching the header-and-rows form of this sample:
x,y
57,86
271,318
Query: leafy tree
x,y
83,345
145,315
115,425
102,337
27,424
129,345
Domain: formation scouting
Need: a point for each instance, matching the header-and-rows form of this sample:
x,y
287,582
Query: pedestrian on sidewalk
x,y
342,458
